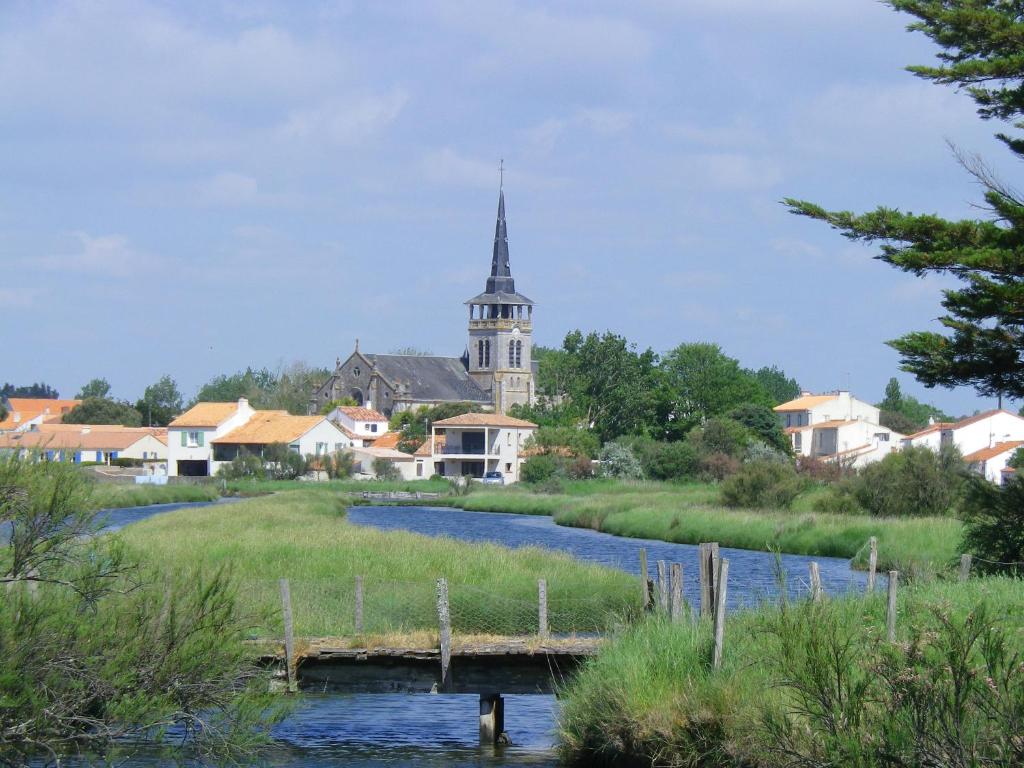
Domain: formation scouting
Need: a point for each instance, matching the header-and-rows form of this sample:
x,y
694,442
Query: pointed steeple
x,y
500,280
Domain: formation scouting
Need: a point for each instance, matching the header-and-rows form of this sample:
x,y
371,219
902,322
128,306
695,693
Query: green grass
x,y
303,536
111,496
690,514
652,697
259,487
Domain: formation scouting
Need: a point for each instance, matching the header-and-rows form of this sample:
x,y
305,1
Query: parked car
x,y
493,478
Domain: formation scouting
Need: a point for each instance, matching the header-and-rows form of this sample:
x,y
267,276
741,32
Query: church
x,y
495,372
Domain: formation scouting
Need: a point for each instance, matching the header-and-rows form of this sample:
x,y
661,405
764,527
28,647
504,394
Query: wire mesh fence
x,y
328,608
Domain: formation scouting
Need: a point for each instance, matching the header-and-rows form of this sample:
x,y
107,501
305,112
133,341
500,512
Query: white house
x,y
305,435
991,462
403,462
475,443
89,443
190,436
361,425
24,413
837,427
973,435
933,436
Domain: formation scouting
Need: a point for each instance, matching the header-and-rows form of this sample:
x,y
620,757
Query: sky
x,y
193,188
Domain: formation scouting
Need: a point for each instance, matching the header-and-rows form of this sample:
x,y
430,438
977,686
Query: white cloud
x,y
21,298
227,189
105,255
346,123
734,170
603,122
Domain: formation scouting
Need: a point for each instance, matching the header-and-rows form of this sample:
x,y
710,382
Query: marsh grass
x,y
303,536
111,496
689,514
790,674
250,487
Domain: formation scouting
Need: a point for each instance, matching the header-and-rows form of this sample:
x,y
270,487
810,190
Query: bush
x,y
385,469
762,422
720,435
244,466
914,481
579,442
618,460
666,461
766,484
282,463
758,451
537,469
994,525
339,465
822,471
580,468
837,501
552,486
718,466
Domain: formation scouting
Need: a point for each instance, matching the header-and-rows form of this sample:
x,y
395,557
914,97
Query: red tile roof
x,y
992,451
358,413
484,420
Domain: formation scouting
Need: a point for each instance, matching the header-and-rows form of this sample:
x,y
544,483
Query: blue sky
x,y
193,188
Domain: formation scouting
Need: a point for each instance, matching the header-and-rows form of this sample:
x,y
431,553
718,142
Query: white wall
x,y
1000,427
177,452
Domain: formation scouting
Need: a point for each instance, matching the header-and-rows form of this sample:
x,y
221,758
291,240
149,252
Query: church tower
x,y
501,330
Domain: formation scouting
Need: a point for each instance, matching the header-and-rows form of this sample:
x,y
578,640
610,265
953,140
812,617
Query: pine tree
x,y
982,44
893,396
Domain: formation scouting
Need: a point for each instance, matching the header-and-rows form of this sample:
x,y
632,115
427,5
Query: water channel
x,y
373,731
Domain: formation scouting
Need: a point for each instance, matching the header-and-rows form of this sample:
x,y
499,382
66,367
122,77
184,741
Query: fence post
x,y
677,591
643,577
872,562
445,625
359,605
289,636
890,611
815,581
721,586
542,607
965,567
708,554
662,587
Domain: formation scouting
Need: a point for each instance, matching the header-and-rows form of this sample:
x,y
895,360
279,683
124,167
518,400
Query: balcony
x,y
501,324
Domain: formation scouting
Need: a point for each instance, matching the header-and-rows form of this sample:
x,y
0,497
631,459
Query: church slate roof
x,y
428,378
501,286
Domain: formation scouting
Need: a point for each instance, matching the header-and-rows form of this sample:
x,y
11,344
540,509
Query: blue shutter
x,y
202,435
184,438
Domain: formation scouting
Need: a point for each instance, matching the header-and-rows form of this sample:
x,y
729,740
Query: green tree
x,y
332,404
37,390
97,410
227,388
160,402
762,423
384,469
414,424
702,382
95,388
777,384
893,397
983,338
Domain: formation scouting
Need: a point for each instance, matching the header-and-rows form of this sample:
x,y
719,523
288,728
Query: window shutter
x,y
184,438
201,436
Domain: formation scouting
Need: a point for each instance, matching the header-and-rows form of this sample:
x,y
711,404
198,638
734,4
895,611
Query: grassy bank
x,y
303,535
260,487
818,682
689,514
109,496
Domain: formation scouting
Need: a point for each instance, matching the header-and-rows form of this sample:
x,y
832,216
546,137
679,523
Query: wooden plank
x,y
872,562
815,572
722,582
703,561
662,586
289,636
359,605
965,567
677,591
644,578
890,611
445,626
542,607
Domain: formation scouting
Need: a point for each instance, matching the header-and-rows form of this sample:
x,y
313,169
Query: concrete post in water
x,y
815,581
289,636
677,591
542,607
872,562
644,577
662,587
445,626
359,605
965,567
721,587
890,611
492,718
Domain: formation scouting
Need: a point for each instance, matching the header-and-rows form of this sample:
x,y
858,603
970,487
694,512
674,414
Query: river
x,y
374,731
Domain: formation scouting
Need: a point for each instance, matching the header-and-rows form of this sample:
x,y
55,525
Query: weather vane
x,y
501,174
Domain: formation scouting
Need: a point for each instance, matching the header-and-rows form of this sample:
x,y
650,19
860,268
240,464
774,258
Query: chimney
x,y
86,430
243,403
804,393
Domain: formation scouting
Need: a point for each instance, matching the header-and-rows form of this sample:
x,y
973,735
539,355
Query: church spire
x,y
500,280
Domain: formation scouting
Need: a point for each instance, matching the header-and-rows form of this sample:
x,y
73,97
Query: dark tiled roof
x,y
438,379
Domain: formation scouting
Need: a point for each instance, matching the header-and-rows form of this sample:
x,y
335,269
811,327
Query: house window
x,y
338,447
510,438
194,440
419,469
321,449
798,441
356,371
373,427
882,436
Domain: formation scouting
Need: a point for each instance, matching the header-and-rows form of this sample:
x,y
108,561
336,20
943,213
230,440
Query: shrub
x,y
720,435
823,471
244,466
762,422
667,461
552,486
837,501
758,451
580,468
537,469
579,442
282,463
914,481
718,466
994,525
339,465
618,460
766,484
385,469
